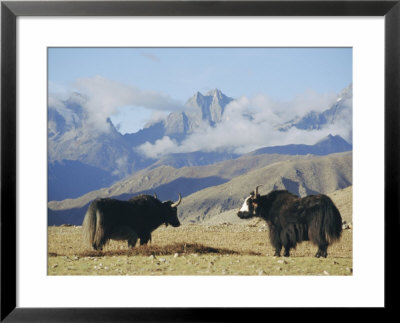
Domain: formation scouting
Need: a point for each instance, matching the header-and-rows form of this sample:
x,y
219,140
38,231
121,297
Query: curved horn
x,y
178,202
256,190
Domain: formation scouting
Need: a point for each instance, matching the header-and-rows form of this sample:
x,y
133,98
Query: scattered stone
x,y
350,270
226,223
326,273
76,258
281,261
152,257
347,226
260,272
176,255
162,260
55,266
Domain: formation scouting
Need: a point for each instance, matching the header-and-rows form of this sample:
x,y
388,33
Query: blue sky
x,y
175,74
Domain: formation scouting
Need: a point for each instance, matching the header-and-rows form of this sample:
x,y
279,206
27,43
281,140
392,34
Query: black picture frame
x,y
11,10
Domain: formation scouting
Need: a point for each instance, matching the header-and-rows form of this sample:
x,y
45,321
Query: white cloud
x,y
55,102
251,123
248,123
106,96
161,147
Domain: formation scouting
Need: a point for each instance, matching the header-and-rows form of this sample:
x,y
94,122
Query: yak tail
x,y
92,229
326,225
332,222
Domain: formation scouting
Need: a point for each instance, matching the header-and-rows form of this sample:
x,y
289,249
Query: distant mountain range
x,y
65,179
210,190
199,110
341,110
328,145
82,160
70,139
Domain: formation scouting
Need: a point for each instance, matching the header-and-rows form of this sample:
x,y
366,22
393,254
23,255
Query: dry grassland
x,y
225,249
224,246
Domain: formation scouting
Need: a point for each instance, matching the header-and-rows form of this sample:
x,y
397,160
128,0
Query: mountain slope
x,y
65,179
195,158
71,137
328,145
210,190
209,107
302,177
150,180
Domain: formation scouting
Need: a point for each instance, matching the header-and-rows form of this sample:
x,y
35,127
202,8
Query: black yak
x,y
292,219
108,218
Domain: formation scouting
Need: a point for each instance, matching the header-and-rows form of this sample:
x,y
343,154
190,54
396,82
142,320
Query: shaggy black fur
x,y
126,220
292,219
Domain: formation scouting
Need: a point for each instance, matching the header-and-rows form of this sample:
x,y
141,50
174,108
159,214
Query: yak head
x,y
171,212
249,207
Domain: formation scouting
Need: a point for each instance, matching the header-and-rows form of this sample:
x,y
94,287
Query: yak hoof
x,y
97,248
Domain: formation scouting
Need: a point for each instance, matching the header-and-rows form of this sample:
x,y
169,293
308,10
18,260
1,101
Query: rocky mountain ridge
x,y
77,151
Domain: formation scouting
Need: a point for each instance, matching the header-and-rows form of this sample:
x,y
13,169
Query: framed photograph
x,y
162,159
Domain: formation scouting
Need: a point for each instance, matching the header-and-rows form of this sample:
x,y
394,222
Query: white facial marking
x,y
245,207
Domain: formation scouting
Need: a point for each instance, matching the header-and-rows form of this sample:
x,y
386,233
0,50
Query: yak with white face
x,y
247,209
292,219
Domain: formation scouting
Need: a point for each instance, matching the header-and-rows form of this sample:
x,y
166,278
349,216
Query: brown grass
x,y
148,250
225,249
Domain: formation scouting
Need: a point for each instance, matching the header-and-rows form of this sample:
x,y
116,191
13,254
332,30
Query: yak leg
x,y
278,251
100,245
145,238
274,238
287,252
322,250
132,241
96,247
